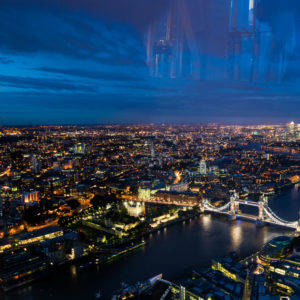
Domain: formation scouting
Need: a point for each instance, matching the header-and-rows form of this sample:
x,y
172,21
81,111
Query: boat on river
x,y
130,291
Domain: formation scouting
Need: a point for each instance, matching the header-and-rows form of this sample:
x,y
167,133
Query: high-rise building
x,y
290,128
202,167
1,209
242,16
80,148
36,164
152,151
298,130
171,41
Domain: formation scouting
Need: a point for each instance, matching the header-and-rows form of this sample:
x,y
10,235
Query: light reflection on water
x,y
174,251
73,270
236,234
207,222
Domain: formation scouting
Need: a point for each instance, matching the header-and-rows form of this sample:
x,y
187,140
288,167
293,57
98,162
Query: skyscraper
x,y
171,42
1,210
36,164
202,167
80,148
290,128
242,16
152,151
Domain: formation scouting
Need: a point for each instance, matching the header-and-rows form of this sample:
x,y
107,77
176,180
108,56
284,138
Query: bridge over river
x,y
232,210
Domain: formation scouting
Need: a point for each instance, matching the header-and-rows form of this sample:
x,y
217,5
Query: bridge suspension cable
x,y
209,206
278,220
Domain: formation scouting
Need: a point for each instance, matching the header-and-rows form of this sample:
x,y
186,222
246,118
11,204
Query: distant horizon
x,y
141,124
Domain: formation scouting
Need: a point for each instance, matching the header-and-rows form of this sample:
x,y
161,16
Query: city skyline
x,y
149,149
189,61
84,208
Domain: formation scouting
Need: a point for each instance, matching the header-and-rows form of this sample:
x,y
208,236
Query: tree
x,y
73,203
134,189
141,228
63,221
103,200
33,215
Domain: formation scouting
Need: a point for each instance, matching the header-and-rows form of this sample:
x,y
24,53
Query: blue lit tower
x,y
242,15
242,43
255,53
217,40
171,41
164,43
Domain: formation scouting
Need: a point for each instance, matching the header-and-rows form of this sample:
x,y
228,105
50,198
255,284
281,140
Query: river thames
x,y
174,251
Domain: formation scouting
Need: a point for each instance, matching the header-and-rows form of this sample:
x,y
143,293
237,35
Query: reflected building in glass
x,y
217,40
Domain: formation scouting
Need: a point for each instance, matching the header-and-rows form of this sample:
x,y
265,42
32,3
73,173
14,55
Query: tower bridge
x,y
265,213
232,211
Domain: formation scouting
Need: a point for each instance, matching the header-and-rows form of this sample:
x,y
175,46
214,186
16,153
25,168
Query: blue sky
x,y
85,62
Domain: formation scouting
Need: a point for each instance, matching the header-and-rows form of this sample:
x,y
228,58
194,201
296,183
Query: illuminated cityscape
x,y
75,193
149,149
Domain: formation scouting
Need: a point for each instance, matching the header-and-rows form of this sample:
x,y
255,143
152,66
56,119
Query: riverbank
x,y
99,256
190,244
174,251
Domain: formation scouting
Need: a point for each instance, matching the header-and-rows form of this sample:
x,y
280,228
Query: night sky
x,y
112,61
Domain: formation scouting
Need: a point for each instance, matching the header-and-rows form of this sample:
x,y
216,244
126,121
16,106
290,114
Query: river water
x,y
174,251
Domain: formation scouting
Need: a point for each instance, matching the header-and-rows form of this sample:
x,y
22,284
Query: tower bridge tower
x,y
234,206
201,206
263,201
261,211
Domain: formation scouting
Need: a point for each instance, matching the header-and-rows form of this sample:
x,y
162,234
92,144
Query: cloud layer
x,y
77,61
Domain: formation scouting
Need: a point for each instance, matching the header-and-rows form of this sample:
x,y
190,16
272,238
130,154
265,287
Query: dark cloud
x,y
38,29
44,84
137,13
110,76
6,61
